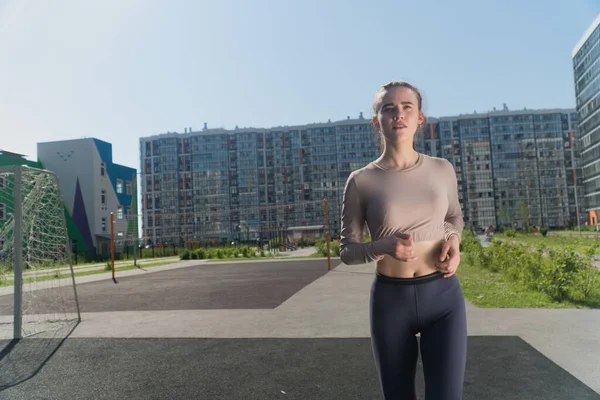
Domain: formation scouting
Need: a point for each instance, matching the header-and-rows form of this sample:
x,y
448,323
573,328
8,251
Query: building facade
x,y
213,183
93,186
514,168
586,71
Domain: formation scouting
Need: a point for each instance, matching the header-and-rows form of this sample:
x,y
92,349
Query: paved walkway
x,y
301,252
336,306
170,263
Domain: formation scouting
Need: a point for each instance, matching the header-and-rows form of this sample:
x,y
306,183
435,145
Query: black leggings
x,y
435,307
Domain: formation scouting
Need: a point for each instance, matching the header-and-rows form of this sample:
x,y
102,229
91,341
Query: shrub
x,y
335,248
246,252
307,242
185,255
510,233
588,277
469,242
321,247
544,231
499,256
485,257
201,254
560,272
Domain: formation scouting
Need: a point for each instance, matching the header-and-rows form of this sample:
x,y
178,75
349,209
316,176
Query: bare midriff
x,y
428,254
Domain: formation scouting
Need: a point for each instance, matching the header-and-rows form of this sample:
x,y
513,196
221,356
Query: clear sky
x,y
121,69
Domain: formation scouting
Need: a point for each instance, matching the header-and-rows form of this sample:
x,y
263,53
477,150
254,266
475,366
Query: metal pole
x,y
68,243
18,267
112,243
327,239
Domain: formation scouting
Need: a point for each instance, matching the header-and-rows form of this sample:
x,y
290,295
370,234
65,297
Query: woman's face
x,y
398,116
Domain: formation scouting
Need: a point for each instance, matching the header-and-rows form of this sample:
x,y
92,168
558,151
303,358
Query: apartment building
x,y
208,184
586,71
514,168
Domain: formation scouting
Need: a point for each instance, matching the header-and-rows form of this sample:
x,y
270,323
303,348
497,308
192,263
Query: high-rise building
x,y
206,184
586,68
514,168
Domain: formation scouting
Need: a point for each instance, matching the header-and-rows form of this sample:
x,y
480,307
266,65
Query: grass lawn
x,y
316,255
84,273
489,289
123,260
574,233
257,258
551,240
266,257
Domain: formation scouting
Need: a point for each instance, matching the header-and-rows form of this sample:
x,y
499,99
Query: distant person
x,y
409,202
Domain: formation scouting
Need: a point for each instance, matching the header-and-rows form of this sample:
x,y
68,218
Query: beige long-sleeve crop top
x,y
421,200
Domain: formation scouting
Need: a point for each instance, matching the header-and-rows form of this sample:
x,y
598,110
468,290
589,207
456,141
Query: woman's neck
x,y
398,158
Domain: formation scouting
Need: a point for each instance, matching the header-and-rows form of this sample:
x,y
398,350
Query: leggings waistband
x,y
409,281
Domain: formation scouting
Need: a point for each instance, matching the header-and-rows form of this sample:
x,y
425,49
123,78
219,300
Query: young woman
x,y
409,202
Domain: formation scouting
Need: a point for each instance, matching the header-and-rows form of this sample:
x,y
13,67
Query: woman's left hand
x,y
449,257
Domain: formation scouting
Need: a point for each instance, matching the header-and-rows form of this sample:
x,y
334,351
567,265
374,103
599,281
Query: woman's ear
x,y
375,123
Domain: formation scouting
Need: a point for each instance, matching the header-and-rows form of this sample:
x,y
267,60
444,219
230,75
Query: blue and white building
x,y
92,187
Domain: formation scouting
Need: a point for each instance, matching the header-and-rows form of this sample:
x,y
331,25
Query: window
x,y
129,188
119,212
103,197
119,186
103,224
102,169
120,234
2,208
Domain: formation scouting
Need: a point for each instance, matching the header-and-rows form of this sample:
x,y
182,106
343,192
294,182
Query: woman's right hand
x,y
400,246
